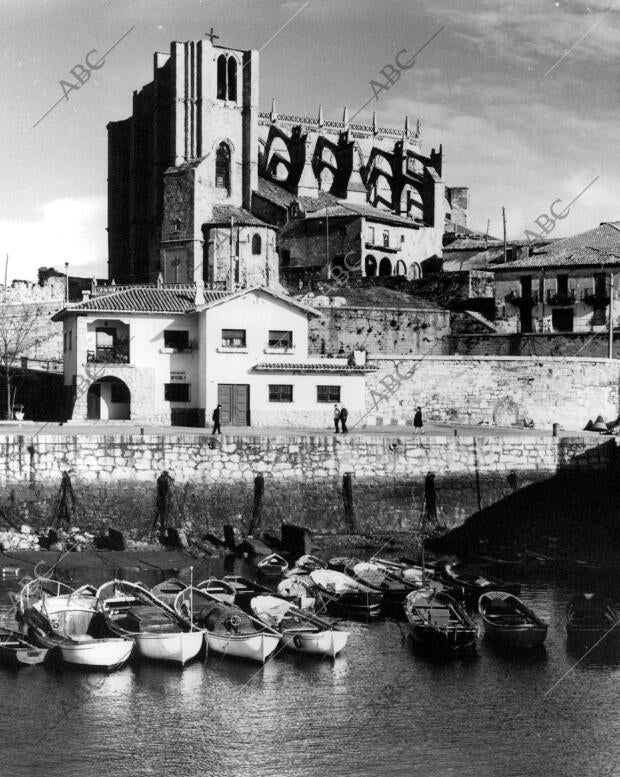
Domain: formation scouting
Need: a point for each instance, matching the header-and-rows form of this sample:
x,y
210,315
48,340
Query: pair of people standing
x,y
340,418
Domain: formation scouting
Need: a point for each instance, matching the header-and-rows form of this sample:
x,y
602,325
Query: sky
x,y
522,95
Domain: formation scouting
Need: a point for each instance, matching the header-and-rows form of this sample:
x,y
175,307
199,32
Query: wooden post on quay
x,y
257,505
347,497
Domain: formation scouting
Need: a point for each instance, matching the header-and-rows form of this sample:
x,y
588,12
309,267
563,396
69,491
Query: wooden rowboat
x,y
591,617
346,597
272,565
16,651
507,621
159,633
59,617
301,631
228,629
438,623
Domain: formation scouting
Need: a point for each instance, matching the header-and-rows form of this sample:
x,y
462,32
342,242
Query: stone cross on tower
x,y
211,35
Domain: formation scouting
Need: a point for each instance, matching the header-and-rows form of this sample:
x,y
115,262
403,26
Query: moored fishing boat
x,y
59,617
300,630
507,621
342,595
414,574
168,590
437,622
15,650
299,590
245,590
272,565
159,632
220,589
591,617
309,563
473,582
229,630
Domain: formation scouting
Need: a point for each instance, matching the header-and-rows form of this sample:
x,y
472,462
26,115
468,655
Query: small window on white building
x,y
233,338
280,339
176,392
176,338
328,393
280,393
371,234
386,239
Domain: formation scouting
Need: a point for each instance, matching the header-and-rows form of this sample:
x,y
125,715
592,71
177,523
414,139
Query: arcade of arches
x,y
384,267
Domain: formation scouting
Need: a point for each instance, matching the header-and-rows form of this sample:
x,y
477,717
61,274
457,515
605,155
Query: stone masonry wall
x,y
379,330
114,477
502,391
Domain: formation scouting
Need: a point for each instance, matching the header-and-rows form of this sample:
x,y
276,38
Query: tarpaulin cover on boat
x,y
270,609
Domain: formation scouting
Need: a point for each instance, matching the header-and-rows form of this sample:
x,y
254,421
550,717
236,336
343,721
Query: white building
x,y
168,354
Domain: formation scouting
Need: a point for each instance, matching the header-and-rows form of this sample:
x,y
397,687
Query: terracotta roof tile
x,y
588,249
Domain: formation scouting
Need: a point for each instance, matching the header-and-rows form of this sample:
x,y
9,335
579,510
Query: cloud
x,y
530,30
70,229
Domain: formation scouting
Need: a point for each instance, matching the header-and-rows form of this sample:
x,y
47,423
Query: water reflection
x,y
381,708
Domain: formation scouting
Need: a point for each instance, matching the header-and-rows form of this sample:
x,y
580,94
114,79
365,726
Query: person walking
x,y
418,423
344,414
216,420
337,418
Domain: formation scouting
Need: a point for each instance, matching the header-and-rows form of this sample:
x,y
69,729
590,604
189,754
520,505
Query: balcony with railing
x,y
561,298
116,354
596,299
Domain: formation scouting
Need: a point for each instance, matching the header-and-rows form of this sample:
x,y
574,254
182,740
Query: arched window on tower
x,y
221,77
222,167
256,244
232,79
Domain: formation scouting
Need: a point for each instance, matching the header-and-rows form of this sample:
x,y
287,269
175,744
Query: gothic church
x,y
204,187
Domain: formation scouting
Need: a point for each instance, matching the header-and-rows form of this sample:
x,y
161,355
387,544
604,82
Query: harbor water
x,y
381,709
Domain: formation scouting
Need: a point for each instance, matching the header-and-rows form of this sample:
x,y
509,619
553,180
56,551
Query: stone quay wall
x,y
494,390
114,477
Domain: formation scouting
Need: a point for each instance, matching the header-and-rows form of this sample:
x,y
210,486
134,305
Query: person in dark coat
x,y
418,423
216,420
344,414
337,418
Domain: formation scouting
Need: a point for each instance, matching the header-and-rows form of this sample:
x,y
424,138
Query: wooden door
x,y
235,401
93,402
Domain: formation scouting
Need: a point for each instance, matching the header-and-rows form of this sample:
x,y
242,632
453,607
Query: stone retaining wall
x,y
494,390
114,477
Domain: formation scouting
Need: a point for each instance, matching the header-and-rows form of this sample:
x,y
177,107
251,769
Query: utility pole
x,y
610,353
6,272
486,238
66,282
504,221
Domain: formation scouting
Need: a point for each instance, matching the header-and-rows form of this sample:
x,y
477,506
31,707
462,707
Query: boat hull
x,y
22,656
255,647
445,641
177,647
106,654
323,643
524,636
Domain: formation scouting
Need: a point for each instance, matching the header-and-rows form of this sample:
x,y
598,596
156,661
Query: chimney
x,y
85,295
199,297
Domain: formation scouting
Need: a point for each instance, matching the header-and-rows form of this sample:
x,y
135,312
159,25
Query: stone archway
x,y
385,266
108,399
370,266
401,268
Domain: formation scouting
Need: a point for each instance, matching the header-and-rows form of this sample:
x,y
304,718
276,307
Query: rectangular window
x,y
386,239
286,258
280,339
69,339
562,281
371,233
233,338
64,342
176,392
328,393
280,393
176,338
